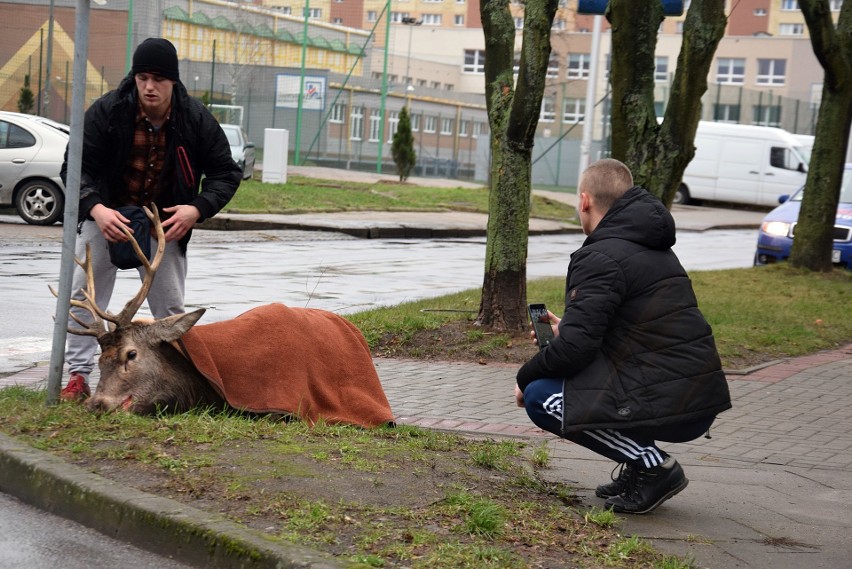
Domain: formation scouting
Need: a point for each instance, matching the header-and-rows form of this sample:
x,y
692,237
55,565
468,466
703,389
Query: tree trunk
x,y
513,113
658,154
833,48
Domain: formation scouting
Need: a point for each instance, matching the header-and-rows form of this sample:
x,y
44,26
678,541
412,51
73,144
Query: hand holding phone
x,y
541,325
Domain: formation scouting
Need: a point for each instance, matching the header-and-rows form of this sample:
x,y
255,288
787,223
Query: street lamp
x,y
409,22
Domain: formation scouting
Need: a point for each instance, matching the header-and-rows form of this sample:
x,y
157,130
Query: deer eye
x,y
131,355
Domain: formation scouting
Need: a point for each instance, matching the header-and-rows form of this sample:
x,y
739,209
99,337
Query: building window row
x,y
430,124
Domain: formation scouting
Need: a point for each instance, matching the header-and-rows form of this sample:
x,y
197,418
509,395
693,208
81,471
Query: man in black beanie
x,y
147,142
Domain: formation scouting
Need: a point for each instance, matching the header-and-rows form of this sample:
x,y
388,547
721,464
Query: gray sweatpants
x,y
165,297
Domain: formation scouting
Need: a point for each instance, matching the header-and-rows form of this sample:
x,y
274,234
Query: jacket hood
x,y
639,217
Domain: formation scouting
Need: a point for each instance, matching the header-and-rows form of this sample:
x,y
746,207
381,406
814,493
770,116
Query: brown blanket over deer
x,y
301,361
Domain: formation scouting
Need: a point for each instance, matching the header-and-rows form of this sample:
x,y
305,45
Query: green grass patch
x,y
307,195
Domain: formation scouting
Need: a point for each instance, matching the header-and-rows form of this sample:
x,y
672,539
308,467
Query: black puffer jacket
x,y
192,132
633,347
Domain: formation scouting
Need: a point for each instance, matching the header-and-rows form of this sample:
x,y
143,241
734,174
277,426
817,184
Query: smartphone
x,y
541,324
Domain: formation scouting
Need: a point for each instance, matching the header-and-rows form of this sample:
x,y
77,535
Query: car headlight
x,y
777,228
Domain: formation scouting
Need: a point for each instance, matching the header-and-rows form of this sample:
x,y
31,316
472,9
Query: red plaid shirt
x,y
145,162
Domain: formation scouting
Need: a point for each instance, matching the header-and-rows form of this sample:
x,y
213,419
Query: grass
x,y
415,498
307,195
757,315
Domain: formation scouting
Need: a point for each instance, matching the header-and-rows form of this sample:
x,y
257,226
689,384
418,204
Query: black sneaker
x,y
619,483
649,488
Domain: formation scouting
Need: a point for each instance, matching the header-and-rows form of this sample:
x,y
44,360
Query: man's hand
x,y
182,220
519,396
109,222
554,324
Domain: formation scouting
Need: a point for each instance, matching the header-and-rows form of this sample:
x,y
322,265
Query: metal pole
x,y
298,138
40,50
128,61
212,72
49,66
589,118
384,91
66,103
72,202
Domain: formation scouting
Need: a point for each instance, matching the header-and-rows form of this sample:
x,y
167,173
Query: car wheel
x,y
681,196
40,202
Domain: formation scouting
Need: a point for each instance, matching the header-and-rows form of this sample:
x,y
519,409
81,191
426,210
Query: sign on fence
x,y
287,92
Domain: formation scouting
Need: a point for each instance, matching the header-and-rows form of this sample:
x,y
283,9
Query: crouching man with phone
x,y
632,360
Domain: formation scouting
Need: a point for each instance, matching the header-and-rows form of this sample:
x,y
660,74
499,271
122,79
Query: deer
x,y
141,369
163,365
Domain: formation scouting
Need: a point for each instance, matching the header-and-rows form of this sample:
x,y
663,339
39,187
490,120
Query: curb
x,y
156,524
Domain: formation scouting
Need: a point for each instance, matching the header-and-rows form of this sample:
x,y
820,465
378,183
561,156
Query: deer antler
x,y
129,311
97,328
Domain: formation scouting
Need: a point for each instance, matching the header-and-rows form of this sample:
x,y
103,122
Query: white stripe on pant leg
x,y
629,448
553,406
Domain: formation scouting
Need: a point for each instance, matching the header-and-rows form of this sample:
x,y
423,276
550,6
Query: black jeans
x,y
637,446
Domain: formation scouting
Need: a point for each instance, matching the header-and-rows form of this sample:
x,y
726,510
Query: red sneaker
x,y
76,390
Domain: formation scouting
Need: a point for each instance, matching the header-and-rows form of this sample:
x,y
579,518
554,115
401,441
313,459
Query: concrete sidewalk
x,y
771,488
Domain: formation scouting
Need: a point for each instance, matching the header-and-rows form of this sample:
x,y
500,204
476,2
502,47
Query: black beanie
x,y
156,55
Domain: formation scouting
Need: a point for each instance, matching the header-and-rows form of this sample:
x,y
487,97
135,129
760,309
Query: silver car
x,y
31,153
242,151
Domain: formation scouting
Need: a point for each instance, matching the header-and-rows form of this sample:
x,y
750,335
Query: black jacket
x,y
192,132
633,347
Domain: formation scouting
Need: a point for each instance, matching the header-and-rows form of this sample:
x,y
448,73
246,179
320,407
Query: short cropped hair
x,y
606,180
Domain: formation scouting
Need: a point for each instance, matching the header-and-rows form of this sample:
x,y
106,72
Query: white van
x,y
743,164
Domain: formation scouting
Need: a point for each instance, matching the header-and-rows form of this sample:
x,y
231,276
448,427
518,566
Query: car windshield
x,y
233,136
845,189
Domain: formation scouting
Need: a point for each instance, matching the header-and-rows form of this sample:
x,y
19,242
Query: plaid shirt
x,y
145,162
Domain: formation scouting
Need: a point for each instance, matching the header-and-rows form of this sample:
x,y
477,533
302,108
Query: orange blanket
x,y
301,361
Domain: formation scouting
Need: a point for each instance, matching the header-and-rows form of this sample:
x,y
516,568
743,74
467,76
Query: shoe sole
x,y
676,490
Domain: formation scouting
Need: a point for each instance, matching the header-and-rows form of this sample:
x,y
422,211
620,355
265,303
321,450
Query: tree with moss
x,y
832,46
402,148
513,112
26,99
658,153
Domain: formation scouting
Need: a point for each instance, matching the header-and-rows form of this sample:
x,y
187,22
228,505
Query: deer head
x,y
141,371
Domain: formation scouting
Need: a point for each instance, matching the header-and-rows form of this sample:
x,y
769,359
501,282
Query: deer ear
x,y
171,328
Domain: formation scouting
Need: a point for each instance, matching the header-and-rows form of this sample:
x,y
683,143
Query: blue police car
x,y
779,226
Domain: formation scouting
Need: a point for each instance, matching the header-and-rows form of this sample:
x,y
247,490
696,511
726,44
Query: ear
x,y
171,328
585,202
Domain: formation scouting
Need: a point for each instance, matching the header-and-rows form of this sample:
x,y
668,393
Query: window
x,y
13,136
447,126
679,27
415,123
464,126
286,10
429,124
766,115
548,109
458,20
788,5
835,5
474,61
519,23
371,15
375,124
315,13
552,68
578,65
393,124
781,157
791,29
477,130
421,83
431,19
573,110
450,87
337,113
356,123
730,70
661,68
558,24
435,84
398,17
338,21
759,12
771,71
726,113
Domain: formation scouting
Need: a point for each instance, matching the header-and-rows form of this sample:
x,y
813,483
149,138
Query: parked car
x,y
779,226
241,150
31,153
